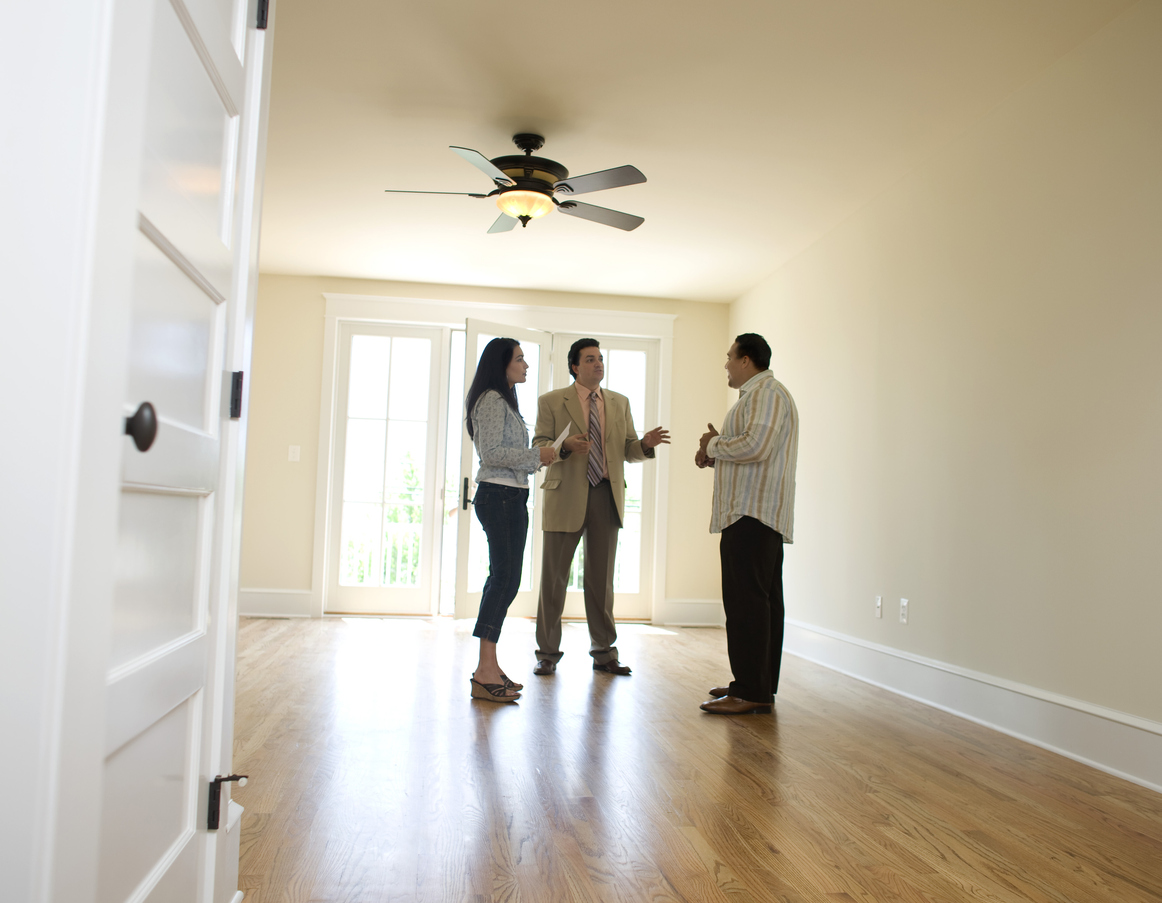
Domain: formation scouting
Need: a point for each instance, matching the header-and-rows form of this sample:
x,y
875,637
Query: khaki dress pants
x,y
600,531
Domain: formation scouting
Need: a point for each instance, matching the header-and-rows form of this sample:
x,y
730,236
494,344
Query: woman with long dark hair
x,y
506,460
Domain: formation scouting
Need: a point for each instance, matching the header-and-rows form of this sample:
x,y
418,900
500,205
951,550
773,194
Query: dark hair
x,y
754,346
575,352
492,373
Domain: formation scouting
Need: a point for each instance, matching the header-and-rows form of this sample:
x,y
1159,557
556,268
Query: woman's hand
x,y
548,455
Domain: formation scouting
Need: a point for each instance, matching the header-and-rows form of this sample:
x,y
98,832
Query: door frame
x,y
407,310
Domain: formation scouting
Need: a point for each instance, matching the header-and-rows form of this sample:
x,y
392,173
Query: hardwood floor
x,y
375,778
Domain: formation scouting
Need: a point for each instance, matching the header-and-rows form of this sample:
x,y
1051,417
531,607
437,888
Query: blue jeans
x,y
503,513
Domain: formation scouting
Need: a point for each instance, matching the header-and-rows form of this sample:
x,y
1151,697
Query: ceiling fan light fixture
x,y
523,204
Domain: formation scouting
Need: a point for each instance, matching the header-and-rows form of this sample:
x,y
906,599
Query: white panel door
x,y
471,544
166,668
631,369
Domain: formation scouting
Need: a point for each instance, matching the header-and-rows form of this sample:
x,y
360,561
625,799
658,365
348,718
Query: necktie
x,y
596,460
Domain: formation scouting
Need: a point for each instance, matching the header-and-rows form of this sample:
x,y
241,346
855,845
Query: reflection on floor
x,y
375,778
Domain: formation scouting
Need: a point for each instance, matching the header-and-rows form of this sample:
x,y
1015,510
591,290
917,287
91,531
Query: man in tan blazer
x,y
585,497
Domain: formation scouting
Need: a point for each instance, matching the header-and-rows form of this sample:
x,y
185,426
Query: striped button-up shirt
x,y
754,458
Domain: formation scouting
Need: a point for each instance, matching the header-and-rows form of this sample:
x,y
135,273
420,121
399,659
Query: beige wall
x,y
975,357
278,516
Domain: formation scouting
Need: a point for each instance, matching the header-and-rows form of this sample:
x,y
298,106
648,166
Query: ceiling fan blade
x,y
466,194
599,181
504,223
625,221
482,163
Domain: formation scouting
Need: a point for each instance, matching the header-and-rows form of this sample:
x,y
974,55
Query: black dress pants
x,y
752,595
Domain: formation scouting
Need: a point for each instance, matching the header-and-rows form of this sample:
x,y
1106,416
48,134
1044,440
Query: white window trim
x,y
419,312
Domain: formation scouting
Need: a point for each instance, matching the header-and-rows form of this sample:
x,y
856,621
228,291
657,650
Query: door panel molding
x,y
146,690
194,472
220,61
170,250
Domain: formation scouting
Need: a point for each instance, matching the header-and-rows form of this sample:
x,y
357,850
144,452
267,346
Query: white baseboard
x,y
1114,742
274,603
690,613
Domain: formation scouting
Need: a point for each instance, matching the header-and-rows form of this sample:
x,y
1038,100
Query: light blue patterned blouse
x,y
502,442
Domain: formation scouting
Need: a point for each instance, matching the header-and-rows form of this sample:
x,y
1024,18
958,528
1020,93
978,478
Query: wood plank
x,y
375,777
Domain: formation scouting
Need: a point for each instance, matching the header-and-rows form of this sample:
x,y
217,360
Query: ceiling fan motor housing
x,y
531,173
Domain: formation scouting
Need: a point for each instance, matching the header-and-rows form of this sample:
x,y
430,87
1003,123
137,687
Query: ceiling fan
x,y
527,187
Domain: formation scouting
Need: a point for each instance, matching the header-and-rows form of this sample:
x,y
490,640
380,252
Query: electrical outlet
x,y
903,611
879,606
293,453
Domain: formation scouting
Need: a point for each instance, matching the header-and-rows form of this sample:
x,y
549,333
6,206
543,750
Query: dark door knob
x,y
142,426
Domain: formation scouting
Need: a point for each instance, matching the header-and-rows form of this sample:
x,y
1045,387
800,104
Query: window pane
x,y
627,572
456,436
526,392
363,464
401,544
633,487
577,570
627,375
410,371
404,472
359,545
367,386
481,341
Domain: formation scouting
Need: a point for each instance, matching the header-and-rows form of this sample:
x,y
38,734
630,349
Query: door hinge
x,y
263,9
214,808
236,395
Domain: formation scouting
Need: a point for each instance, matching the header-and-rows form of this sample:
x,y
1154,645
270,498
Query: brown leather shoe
x,y
545,666
732,705
613,666
719,692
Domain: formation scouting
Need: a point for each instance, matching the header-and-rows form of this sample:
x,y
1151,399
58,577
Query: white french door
x,y
471,543
631,369
386,481
168,712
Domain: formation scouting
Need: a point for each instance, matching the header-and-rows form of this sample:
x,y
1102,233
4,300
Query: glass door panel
x,y
386,441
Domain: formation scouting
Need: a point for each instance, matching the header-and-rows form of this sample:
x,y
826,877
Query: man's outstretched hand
x,y
655,437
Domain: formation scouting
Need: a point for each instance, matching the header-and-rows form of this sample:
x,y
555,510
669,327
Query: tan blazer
x,y
566,482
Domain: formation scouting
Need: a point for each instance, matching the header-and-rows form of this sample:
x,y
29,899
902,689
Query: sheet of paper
x,y
564,435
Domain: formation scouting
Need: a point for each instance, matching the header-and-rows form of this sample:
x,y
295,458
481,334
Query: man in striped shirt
x,y
754,508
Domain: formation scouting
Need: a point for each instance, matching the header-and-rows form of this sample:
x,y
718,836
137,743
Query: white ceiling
x,y
760,124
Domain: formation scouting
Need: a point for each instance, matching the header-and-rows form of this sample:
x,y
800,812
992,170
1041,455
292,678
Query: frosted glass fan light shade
x,y
520,203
